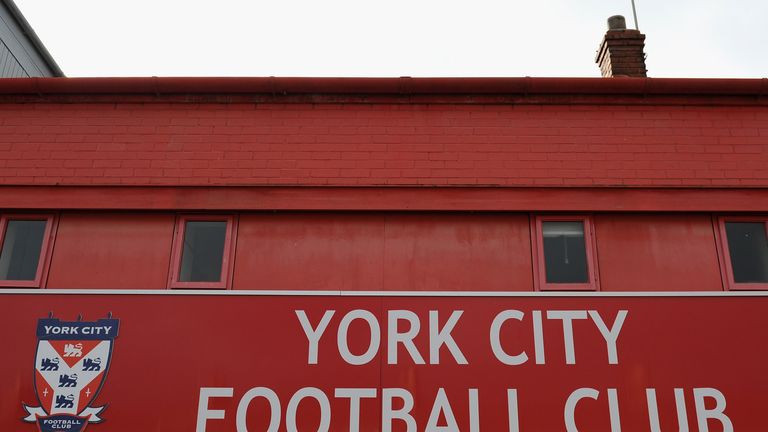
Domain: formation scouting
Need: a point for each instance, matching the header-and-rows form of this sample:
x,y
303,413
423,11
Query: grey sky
x,y
685,38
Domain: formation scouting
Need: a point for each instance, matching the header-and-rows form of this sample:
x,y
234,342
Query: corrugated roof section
x,y
9,66
22,47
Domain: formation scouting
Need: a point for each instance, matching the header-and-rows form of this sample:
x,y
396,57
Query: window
x,y
24,249
202,252
564,253
743,248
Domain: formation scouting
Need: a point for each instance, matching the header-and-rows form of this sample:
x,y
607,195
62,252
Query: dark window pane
x,y
565,255
203,251
748,246
21,249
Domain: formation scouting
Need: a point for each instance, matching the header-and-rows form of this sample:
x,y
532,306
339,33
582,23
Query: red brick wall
x,y
383,144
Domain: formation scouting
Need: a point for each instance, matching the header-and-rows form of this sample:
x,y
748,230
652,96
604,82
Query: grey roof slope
x,y
22,54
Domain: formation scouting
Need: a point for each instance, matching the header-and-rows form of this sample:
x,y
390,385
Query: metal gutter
x,y
404,86
32,36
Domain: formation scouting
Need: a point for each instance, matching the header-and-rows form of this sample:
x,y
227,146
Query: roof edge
x,y
403,86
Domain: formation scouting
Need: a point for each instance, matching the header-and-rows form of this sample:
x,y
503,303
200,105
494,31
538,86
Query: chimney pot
x,y
617,22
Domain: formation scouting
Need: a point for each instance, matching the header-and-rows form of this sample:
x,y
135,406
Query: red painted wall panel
x,y
458,252
383,144
160,359
657,253
386,251
104,250
309,251
316,251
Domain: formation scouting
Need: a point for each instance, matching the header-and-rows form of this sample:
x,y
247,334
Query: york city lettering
x,y
397,404
440,335
51,330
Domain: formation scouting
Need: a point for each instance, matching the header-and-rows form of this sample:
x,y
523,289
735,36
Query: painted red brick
x,y
383,144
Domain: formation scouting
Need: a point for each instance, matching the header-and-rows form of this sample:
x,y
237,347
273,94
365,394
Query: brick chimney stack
x,y
621,52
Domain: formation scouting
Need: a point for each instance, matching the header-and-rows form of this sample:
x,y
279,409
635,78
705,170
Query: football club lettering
x,y
70,368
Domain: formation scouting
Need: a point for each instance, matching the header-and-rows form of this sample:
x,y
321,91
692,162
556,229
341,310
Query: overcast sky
x,y
685,38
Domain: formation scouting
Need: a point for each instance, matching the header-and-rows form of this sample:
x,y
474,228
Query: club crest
x,y
70,367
